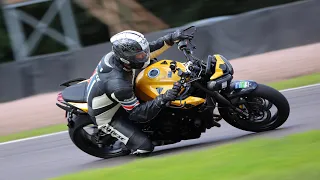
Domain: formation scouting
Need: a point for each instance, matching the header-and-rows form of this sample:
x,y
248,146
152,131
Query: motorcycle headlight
x,y
228,64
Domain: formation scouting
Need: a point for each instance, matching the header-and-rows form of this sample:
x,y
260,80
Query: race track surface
x,y
53,156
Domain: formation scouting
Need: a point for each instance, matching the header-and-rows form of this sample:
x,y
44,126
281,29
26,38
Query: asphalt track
x,y
52,156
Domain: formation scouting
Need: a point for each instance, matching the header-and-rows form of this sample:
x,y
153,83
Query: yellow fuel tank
x,y
157,79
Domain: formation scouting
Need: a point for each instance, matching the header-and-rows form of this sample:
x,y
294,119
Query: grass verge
x,y
35,132
295,82
293,157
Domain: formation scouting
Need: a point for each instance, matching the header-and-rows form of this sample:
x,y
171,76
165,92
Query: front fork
x,y
237,89
219,98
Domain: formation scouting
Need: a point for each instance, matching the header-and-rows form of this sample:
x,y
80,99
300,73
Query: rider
x,y
111,87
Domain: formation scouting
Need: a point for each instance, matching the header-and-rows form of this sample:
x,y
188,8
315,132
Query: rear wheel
x,y
258,104
81,137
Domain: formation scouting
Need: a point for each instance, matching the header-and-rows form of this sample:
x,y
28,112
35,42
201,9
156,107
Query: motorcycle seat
x,y
76,93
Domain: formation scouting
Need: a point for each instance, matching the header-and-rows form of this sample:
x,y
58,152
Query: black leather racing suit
x,y
112,101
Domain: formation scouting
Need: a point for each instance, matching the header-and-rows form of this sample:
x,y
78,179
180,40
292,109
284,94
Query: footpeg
x,y
216,123
216,117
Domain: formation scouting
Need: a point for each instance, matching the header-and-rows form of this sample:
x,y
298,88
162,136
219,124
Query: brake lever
x,y
193,46
184,93
193,32
190,28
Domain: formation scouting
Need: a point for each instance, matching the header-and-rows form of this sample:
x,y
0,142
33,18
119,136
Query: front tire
x,y
82,140
261,92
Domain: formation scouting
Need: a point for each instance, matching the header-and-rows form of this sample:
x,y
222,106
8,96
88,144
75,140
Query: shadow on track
x,y
216,142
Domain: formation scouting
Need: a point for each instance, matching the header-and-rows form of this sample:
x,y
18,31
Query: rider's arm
x,y
160,45
137,111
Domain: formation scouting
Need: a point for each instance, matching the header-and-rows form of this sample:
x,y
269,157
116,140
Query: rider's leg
x,y
125,131
113,119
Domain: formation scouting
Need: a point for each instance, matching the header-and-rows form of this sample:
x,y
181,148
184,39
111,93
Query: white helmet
x,y
132,48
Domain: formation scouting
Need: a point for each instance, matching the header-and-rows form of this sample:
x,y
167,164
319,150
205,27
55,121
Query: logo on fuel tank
x,y
153,73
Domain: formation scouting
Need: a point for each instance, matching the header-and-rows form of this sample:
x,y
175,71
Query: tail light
x,y
59,97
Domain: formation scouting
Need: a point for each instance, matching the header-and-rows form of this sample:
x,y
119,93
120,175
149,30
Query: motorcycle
x,y
206,85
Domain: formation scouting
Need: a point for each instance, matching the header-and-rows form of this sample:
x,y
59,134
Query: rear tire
x,y
76,134
267,93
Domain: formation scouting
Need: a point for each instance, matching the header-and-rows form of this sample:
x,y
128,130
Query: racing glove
x,y
175,37
169,95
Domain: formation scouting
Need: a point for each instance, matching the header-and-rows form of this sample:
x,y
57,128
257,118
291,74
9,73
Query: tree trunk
x,y
120,15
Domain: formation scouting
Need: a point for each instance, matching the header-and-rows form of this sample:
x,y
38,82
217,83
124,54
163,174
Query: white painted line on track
x,y
301,87
34,137
62,132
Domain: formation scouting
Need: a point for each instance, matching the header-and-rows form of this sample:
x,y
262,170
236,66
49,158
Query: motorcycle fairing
x,y
82,106
219,67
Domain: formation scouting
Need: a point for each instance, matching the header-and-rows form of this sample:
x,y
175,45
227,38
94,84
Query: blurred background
x,y
45,42
95,20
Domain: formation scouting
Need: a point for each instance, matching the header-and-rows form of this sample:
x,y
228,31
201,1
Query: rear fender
x,y
75,119
73,113
241,87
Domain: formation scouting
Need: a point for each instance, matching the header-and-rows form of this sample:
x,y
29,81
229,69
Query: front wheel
x,y
83,138
258,105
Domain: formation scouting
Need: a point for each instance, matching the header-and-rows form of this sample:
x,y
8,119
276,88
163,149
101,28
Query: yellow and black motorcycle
x,y
207,84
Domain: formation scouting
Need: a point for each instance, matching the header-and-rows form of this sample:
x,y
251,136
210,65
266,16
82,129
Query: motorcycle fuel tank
x,y
157,79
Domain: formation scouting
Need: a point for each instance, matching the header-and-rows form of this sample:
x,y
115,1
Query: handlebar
x,y
194,66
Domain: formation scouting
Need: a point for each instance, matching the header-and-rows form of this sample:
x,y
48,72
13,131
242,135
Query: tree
x,y
95,26
179,12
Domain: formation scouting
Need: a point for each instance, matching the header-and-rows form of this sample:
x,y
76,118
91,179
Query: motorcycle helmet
x,y
132,48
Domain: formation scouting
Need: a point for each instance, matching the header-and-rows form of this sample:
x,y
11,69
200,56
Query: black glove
x,y
169,95
176,37
179,36
177,85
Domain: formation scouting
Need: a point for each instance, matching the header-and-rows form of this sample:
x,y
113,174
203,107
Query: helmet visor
x,y
142,56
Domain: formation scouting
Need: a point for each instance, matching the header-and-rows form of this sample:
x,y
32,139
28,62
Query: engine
x,y
178,125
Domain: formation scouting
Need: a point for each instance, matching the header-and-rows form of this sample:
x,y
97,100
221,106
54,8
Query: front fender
x,y
241,87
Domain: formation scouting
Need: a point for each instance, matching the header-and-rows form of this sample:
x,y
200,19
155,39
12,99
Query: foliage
x,y
186,11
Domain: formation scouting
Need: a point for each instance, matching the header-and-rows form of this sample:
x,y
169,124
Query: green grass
x,y
293,157
35,132
295,82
